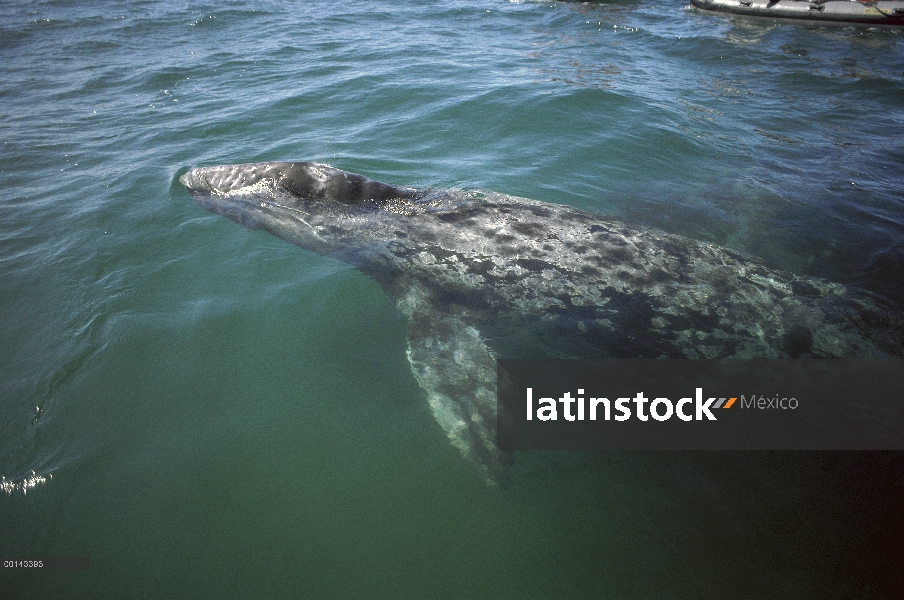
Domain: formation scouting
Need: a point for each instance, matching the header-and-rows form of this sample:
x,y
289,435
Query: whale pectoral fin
x,y
455,367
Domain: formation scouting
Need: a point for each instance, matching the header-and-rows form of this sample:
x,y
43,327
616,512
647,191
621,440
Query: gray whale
x,y
485,275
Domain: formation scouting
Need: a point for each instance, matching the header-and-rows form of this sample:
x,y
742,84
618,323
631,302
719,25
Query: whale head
x,y
312,205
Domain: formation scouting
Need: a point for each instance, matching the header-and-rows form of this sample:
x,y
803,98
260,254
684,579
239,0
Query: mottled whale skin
x,y
485,275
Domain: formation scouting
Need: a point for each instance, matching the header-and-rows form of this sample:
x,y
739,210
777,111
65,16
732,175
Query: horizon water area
x,y
206,411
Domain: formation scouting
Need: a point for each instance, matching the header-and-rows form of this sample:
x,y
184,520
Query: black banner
x,y
762,404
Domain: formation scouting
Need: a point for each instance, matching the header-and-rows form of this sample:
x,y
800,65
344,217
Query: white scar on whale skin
x,y
486,275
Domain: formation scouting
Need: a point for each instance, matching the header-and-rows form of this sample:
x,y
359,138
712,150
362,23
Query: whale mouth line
x,y
282,206
297,215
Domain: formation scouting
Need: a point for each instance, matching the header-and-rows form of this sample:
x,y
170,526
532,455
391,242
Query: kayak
x,y
872,12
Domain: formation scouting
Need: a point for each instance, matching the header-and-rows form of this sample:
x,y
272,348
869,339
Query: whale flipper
x,y
453,364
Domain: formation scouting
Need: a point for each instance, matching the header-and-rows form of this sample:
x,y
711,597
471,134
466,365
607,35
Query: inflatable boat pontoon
x,y
872,12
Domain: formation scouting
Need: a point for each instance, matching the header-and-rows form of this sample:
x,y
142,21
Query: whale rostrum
x,y
486,275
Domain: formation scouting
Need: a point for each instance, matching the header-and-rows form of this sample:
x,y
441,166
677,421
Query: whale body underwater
x,y
486,275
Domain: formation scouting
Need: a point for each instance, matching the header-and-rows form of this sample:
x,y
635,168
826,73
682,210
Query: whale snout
x,y
190,180
217,180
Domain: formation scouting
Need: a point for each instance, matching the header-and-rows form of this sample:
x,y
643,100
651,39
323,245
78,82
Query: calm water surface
x,y
206,411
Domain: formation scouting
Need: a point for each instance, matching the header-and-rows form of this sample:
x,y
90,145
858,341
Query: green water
x,y
218,414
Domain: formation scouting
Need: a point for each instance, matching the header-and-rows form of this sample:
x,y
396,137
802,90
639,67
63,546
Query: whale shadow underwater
x,y
486,275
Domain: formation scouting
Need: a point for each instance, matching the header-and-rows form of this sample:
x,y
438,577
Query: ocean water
x,y
206,411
